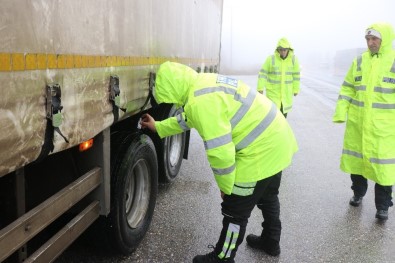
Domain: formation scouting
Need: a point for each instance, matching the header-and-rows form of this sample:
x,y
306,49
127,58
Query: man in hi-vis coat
x,y
367,103
248,143
280,76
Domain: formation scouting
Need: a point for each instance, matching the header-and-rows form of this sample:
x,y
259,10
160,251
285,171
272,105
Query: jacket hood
x,y
284,43
173,82
387,35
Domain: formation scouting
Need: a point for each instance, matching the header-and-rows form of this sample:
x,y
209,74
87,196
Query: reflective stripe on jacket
x,y
367,102
245,137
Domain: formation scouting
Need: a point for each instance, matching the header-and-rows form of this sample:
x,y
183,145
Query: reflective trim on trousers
x,y
230,241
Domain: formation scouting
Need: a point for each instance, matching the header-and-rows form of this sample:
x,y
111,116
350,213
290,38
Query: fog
x,y
316,29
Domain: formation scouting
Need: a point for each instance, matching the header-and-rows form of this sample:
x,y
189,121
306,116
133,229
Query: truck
x,y
76,76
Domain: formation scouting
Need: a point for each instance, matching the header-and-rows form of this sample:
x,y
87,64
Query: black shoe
x,y
355,200
382,214
270,246
211,257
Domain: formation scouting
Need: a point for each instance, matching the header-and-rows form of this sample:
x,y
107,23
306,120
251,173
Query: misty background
x,y
318,30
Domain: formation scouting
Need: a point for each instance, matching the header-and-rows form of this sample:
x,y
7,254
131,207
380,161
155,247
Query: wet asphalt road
x,y
318,223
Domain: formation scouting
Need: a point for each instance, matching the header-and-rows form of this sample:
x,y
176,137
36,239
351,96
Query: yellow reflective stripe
x,y
259,129
359,62
362,88
232,235
217,142
271,81
41,61
357,103
390,106
346,84
278,73
344,97
382,161
18,62
223,171
5,62
352,153
383,90
393,68
182,123
262,77
31,61
226,90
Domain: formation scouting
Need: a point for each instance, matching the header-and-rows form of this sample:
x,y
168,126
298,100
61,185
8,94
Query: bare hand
x,y
148,122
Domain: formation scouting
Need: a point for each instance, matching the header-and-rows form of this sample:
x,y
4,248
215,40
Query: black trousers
x,y
383,194
236,210
282,111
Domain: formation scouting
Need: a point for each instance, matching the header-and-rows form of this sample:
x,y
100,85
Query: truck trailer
x,y
75,78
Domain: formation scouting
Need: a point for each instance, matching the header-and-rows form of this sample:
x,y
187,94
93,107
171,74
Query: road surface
x,y
318,223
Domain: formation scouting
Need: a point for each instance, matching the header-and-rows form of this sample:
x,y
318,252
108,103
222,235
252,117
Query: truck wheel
x,y
170,149
134,188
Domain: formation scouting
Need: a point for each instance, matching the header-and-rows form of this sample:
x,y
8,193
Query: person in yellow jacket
x,y
247,141
280,76
367,103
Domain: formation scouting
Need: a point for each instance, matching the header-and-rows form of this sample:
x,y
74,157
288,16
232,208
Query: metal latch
x,y
152,78
115,91
54,107
115,99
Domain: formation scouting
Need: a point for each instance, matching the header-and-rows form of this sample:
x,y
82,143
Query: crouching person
x,y
248,143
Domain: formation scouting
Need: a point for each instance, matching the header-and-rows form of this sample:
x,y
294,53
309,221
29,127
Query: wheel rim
x,y
175,147
137,195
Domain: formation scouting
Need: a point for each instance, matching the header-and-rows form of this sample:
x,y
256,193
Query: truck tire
x,y
170,149
134,189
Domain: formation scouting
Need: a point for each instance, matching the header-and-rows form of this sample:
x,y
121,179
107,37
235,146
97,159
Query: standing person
x,y
280,76
247,141
367,102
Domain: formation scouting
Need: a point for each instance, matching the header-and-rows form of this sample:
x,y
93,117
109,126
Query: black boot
x,y
211,257
382,214
270,246
356,200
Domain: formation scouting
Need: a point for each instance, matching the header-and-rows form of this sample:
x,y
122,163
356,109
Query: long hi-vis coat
x,y
245,136
280,78
367,101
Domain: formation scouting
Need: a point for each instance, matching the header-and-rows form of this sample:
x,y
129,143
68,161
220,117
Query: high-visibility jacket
x,y
245,136
367,102
280,78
